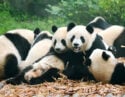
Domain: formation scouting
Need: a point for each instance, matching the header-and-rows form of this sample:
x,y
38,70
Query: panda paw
x,y
34,73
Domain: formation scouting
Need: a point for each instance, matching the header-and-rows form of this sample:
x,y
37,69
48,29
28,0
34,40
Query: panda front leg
x,y
45,68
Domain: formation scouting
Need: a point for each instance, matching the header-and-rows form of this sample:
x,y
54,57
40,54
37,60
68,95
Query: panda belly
x,y
8,52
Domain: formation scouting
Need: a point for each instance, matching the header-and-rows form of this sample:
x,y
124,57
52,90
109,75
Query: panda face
x,y
78,37
101,64
59,39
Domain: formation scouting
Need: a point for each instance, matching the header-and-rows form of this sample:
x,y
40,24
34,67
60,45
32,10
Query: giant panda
x,y
40,47
14,46
105,67
59,59
32,74
83,39
115,36
99,24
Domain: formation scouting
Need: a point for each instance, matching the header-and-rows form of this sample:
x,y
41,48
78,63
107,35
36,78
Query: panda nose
x,y
58,49
76,44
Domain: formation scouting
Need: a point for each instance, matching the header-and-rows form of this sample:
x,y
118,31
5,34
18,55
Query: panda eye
x,y
63,42
72,38
55,42
82,39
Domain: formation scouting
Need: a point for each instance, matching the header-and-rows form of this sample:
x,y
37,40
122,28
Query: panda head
x,y
101,64
78,37
59,39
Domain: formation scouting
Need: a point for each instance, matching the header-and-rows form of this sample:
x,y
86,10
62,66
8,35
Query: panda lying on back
x,y
105,67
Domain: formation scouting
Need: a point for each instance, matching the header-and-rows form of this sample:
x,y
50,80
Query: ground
x,y
63,88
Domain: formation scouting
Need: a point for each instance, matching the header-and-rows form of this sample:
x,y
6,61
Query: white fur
x,y
44,65
96,29
78,31
110,34
26,33
96,18
101,69
58,36
37,51
7,47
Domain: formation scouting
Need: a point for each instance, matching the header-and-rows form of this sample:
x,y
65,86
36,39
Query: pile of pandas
x,y
79,52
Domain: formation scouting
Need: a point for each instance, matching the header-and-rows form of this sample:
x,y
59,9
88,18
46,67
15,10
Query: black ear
x,y
54,28
105,56
89,29
70,26
88,62
37,31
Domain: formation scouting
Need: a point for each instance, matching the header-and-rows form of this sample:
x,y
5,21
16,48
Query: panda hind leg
x,y
11,66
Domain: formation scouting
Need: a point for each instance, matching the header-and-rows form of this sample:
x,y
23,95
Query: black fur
x,y
105,56
120,40
36,31
63,42
75,69
70,26
97,43
82,39
18,79
88,62
20,43
72,38
54,28
112,49
49,76
118,76
100,23
55,41
10,68
41,37
90,29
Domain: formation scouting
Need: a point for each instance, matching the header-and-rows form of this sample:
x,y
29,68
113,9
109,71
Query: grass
x,y
7,22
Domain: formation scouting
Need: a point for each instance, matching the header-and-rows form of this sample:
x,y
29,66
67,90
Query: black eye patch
x,y
82,39
63,42
55,42
72,38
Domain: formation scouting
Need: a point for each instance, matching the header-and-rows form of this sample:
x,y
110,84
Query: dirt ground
x,y
63,88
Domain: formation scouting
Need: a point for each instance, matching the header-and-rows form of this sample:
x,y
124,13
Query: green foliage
x,y
30,7
114,10
82,11
74,10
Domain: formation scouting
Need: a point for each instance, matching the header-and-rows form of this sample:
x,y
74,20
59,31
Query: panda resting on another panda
x,y
42,43
83,39
105,67
14,47
113,35
99,24
60,59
